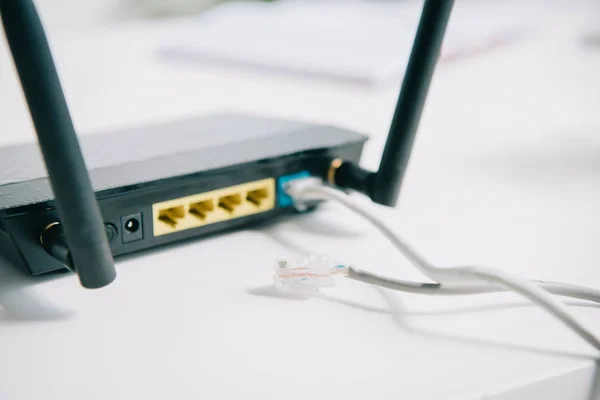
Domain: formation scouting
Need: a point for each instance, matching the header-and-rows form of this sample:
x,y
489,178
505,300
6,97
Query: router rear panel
x,y
287,148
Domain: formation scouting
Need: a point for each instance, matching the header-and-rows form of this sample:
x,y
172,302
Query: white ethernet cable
x,y
316,272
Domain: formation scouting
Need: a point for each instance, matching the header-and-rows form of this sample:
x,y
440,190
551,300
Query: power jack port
x,y
131,228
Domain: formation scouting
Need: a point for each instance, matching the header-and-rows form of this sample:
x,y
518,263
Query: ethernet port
x,y
202,208
171,216
229,203
257,196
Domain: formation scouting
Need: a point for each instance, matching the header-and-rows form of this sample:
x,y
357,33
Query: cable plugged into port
x,y
215,206
284,199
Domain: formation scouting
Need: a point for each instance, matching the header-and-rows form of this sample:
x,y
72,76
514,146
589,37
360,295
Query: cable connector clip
x,y
309,273
300,186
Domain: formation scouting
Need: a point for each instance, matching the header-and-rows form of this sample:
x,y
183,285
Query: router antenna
x,y
77,206
385,184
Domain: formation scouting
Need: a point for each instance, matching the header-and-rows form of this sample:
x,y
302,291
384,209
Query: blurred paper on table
x,y
356,40
163,8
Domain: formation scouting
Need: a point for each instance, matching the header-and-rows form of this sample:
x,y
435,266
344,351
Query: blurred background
x,y
361,44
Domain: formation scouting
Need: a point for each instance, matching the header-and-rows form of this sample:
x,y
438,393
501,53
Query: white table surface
x,y
505,173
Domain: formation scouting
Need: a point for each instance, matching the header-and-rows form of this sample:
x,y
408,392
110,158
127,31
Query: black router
x,y
160,184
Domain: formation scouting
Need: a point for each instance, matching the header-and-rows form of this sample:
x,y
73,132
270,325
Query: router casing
x,y
133,169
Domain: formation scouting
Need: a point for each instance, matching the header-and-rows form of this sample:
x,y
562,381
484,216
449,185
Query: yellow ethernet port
x,y
257,196
215,206
202,208
170,216
230,203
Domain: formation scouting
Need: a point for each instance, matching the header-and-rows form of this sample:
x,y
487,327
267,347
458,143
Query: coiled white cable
x,y
454,280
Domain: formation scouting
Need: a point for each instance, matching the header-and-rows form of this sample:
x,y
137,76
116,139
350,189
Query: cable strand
x,y
456,280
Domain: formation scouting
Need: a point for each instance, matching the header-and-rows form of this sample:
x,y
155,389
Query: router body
x,y
169,182
156,185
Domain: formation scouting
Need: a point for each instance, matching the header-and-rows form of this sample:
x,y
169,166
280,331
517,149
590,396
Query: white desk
x,y
505,173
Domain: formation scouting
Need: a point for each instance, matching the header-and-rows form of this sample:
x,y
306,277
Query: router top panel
x,y
148,153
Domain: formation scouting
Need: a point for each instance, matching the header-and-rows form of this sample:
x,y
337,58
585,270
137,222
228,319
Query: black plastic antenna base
x,y
384,186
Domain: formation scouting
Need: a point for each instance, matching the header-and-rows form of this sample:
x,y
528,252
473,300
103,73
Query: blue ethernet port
x,y
283,200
